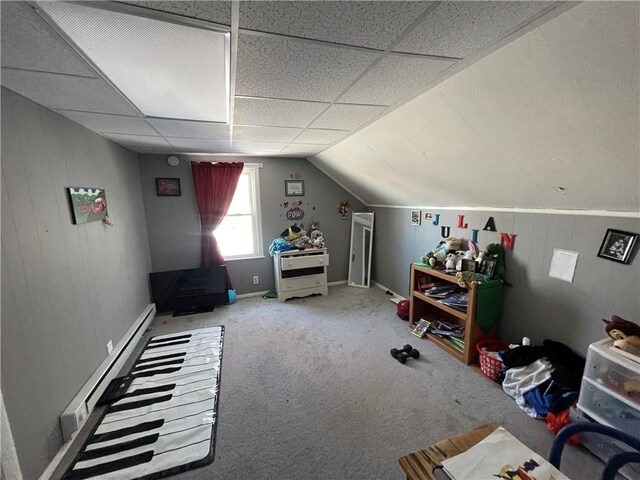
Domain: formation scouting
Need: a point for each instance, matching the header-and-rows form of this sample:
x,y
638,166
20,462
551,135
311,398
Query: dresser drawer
x,y
304,261
614,374
606,407
299,283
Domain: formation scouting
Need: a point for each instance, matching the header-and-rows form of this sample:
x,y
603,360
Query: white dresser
x,y
299,273
610,395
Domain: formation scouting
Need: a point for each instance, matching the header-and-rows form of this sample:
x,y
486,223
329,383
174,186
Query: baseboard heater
x,y
85,401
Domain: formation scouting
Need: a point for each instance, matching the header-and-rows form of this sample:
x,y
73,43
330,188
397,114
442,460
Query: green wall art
x,y
88,204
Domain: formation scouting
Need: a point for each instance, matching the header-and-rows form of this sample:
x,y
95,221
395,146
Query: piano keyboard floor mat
x,y
165,422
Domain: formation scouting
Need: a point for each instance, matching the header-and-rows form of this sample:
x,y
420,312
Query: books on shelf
x,y
440,292
500,455
421,328
457,300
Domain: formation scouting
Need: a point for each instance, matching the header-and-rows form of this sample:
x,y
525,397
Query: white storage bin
x,y
613,372
609,408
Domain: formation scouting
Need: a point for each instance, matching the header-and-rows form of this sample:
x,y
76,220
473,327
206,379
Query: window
x,y
239,235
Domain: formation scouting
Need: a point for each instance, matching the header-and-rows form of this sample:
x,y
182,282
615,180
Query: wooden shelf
x,y
423,306
451,311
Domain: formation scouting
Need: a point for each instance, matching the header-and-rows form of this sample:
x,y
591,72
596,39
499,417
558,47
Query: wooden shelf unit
x,y
429,308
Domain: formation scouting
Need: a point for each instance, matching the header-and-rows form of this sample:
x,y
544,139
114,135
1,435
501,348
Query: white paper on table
x,y
563,264
497,455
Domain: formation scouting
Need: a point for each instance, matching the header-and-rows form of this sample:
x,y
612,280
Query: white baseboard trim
x,y
333,284
76,414
385,289
252,294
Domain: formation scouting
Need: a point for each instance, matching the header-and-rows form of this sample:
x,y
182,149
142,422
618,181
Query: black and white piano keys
x,y
167,417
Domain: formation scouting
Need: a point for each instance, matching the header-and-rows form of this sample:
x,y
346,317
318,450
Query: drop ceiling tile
x,y
187,129
103,123
393,79
347,117
458,29
257,147
199,145
301,149
137,140
319,137
217,12
29,42
362,23
264,134
61,92
284,68
275,113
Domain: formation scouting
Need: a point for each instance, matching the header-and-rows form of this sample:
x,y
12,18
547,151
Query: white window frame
x,y
253,171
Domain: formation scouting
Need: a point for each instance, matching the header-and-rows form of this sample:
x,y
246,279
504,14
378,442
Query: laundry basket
x,y
491,367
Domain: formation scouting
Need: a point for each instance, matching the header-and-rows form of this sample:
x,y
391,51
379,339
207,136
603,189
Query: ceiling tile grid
x,y
395,78
67,93
459,29
217,12
285,68
190,129
319,136
257,147
347,117
362,23
276,113
103,123
137,140
264,134
199,145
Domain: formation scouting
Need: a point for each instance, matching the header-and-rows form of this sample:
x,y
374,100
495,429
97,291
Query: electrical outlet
x,y
255,279
110,346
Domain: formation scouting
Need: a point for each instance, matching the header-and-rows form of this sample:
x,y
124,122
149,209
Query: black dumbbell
x,y
406,352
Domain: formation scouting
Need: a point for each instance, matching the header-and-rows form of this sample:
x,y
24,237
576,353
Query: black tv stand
x,y
193,311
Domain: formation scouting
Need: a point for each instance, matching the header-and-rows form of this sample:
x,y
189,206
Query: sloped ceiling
x,y
550,121
305,74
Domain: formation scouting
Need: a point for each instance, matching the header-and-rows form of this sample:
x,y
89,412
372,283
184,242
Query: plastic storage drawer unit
x,y
609,408
613,372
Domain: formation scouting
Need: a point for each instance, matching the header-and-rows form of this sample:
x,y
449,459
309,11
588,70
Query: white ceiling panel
x,y
275,113
264,134
301,149
137,140
213,11
29,42
257,147
319,137
395,78
282,68
103,123
347,117
66,93
186,129
362,23
199,145
458,29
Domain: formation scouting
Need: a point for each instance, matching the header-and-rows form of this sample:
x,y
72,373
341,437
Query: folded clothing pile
x,y
543,379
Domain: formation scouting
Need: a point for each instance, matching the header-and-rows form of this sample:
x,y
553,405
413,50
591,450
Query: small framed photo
x,y
469,266
168,187
294,188
489,266
416,217
618,245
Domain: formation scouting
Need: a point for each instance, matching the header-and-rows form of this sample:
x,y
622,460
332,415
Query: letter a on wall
x,y
491,225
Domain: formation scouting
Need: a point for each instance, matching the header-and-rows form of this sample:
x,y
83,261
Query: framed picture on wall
x,y
416,217
294,188
618,245
168,187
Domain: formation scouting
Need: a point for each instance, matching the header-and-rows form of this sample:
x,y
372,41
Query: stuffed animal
x,y
448,245
317,239
427,257
450,261
291,233
460,254
626,334
480,260
302,240
314,226
472,253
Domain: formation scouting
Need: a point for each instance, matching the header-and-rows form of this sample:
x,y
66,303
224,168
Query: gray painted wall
x,y
536,306
174,225
66,289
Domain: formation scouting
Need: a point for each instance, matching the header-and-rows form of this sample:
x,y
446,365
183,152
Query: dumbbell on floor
x,y
406,352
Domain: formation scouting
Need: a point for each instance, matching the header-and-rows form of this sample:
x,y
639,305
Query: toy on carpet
x,y
232,296
626,334
406,352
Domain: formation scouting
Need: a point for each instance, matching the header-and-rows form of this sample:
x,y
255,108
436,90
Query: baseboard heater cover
x,y
85,401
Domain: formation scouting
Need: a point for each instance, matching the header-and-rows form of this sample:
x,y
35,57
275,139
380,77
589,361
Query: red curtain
x,y
214,185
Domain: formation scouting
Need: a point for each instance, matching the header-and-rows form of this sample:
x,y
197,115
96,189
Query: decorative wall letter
x,y
445,231
474,235
437,220
461,223
491,225
507,239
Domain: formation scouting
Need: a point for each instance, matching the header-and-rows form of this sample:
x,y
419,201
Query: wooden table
x,y
419,465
